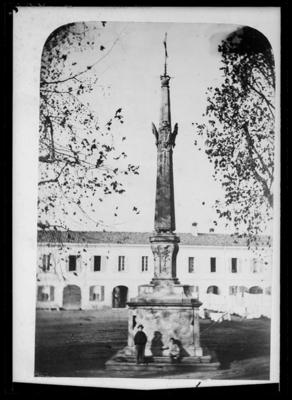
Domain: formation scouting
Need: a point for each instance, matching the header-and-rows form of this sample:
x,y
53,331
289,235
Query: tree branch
x,y
269,104
267,192
56,179
79,206
266,189
252,146
43,82
52,137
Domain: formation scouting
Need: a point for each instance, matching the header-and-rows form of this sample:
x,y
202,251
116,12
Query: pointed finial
x,y
166,55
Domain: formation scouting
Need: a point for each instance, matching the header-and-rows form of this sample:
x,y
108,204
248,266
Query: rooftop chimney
x,y
195,228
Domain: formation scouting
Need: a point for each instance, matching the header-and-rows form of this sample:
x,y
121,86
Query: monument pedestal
x,y
165,312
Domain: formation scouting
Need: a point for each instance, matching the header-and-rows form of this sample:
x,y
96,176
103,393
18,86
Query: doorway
x,y
120,296
72,297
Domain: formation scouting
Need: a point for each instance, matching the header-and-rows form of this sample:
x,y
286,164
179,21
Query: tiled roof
x,y
202,239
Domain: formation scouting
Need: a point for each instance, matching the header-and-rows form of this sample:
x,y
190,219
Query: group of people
x,y
140,340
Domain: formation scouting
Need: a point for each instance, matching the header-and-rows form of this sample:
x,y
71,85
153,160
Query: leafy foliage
x,y
80,161
239,132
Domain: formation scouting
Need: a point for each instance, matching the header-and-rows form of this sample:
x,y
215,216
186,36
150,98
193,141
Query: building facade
x,y
92,270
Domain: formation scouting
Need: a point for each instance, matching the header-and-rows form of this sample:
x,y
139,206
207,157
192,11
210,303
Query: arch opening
x,y
120,296
72,297
255,290
213,289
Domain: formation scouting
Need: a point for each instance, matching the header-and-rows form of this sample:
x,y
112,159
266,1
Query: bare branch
x,y
252,147
56,179
43,82
261,94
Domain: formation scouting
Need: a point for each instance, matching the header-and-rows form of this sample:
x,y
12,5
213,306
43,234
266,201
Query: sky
x,y
129,77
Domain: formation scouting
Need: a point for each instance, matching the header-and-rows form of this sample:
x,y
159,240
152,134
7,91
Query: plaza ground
x,y
78,343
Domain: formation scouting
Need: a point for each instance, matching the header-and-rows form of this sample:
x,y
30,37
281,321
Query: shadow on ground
x,y
237,340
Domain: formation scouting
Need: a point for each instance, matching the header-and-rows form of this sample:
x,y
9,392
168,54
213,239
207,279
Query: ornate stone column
x,y
165,141
164,243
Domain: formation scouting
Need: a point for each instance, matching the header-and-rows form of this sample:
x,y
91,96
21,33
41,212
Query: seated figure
x,y
174,350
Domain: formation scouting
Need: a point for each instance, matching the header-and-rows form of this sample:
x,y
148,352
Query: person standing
x,y
140,340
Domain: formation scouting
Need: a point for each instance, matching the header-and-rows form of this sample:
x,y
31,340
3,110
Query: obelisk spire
x,y
165,54
165,141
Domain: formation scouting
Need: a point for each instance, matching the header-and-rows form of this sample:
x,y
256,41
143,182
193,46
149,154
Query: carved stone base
x,y
164,247
164,319
164,289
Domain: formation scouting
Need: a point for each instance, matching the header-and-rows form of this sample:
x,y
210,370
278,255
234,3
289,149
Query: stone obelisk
x,y
164,242
165,307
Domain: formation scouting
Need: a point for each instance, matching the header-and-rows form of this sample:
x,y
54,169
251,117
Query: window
x,y
45,293
268,290
191,264
72,263
147,289
144,263
256,266
46,263
233,265
232,290
196,291
242,290
191,291
213,289
121,266
96,293
96,263
213,264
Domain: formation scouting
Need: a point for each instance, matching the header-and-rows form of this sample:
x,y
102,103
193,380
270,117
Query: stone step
x,y
125,360
160,366
164,360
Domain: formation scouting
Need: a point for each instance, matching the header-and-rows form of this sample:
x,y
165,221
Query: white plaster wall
x,y
132,276
223,278
109,276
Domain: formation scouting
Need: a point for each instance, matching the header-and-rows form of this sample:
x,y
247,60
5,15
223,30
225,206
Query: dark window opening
x,y
97,263
213,264
72,263
191,264
46,262
144,263
233,265
121,266
120,296
134,323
